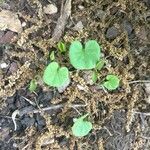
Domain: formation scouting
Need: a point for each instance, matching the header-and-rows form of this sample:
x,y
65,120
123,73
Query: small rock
x,y
127,26
81,7
50,9
8,37
23,24
112,33
100,14
13,67
3,65
78,26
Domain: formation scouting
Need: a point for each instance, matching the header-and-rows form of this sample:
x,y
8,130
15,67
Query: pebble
x,y
23,24
81,7
3,65
100,14
13,67
78,26
127,26
50,9
112,33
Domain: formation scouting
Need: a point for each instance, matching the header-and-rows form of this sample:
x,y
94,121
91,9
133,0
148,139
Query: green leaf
x,y
62,47
52,56
94,76
84,58
100,64
80,127
33,85
112,82
55,76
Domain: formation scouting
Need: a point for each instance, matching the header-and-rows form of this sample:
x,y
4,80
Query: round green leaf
x,y
55,76
112,82
84,58
81,128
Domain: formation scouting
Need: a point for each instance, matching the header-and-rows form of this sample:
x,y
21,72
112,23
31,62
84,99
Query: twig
x,y
29,110
139,81
7,117
29,101
141,113
14,114
65,13
47,108
56,107
107,130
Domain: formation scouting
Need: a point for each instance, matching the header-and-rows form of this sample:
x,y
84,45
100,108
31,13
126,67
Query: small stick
x,y
139,81
14,114
29,110
29,101
141,113
56,107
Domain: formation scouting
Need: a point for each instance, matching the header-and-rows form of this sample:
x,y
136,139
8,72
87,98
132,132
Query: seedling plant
x,y
82,57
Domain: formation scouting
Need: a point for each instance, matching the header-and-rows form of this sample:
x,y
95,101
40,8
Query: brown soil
x,y
121,119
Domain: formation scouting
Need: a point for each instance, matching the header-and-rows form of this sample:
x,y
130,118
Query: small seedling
x,y
55,76
52,56
84,58
81,127
100,64
94,76
62,47
112,82
33,85
98,67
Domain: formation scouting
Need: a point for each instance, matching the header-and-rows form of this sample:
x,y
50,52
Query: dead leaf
x,y
9,20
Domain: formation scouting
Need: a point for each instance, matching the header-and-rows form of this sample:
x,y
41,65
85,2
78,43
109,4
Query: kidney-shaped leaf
x,y
112,82
84,58
81,128
55,76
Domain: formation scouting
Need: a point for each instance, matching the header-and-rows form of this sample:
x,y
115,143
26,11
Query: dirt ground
x,y
30,31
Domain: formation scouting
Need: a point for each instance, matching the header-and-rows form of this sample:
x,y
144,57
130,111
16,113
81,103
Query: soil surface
x,y
42,120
